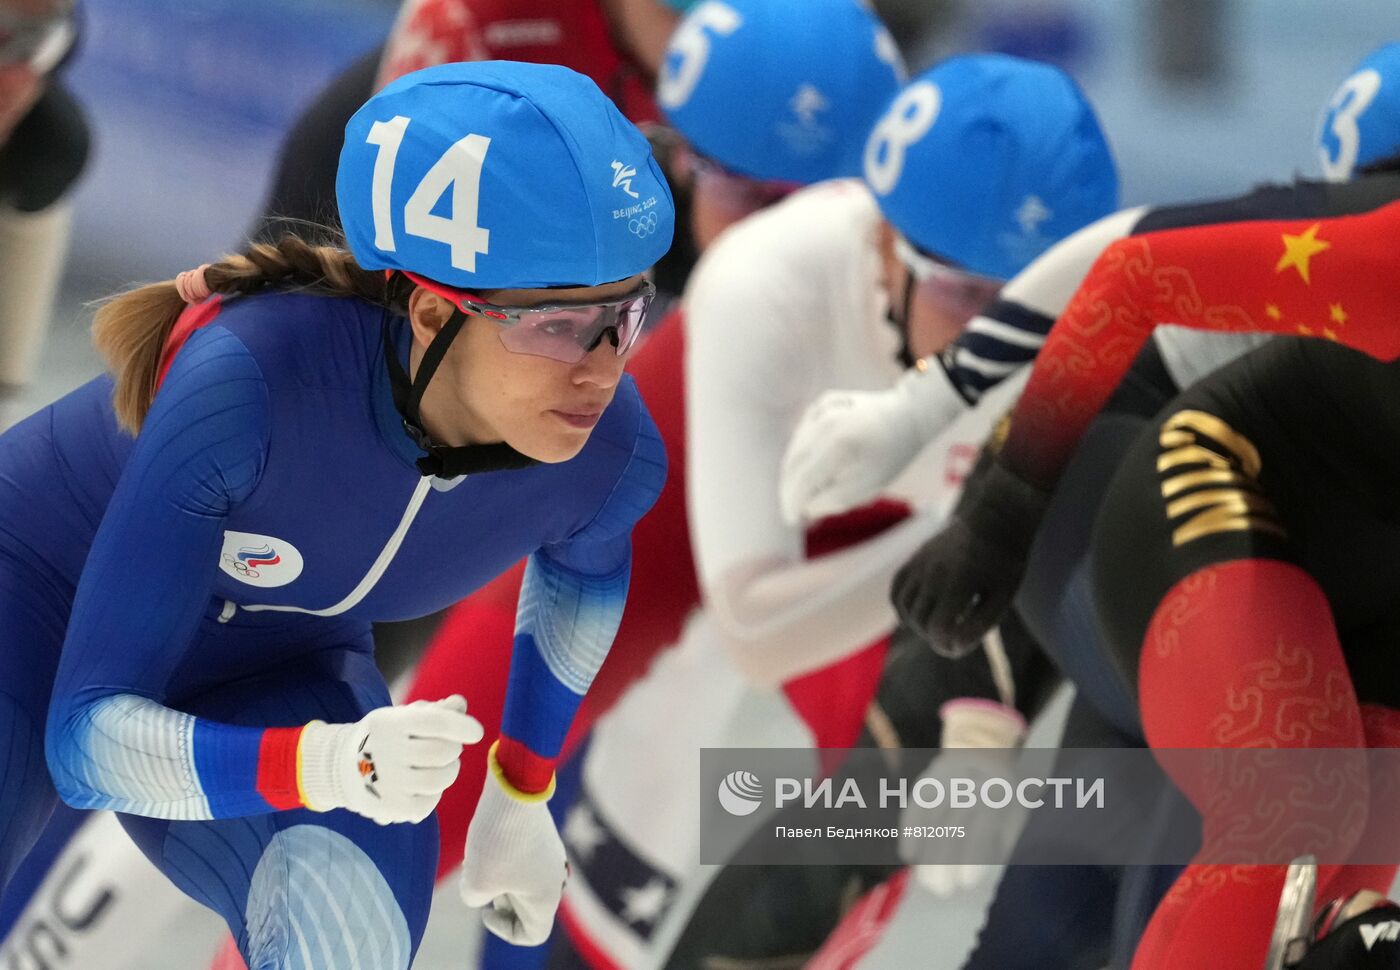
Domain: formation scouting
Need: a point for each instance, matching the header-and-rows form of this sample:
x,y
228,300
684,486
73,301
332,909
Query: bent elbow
x,y
63,753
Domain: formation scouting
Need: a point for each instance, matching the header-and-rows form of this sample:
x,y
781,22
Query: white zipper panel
x,y
376,571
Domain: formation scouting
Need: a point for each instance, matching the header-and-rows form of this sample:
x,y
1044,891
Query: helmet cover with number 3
x,y
1361,123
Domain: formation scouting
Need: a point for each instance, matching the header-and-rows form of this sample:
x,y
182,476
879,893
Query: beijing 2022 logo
x,y
740,793
258,560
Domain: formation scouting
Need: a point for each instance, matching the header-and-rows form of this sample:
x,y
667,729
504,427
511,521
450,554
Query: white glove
x,y
851,444
970,727
514,860
392,765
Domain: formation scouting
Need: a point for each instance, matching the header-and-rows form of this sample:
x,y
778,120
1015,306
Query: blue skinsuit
x,y
177,594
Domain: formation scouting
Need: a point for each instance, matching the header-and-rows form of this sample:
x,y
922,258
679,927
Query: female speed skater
x,y
195,547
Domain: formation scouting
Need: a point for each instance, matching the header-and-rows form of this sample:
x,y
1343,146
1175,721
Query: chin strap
x,y
900,323
441,460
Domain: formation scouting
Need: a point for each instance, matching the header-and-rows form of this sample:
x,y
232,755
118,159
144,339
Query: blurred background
x,y
188,102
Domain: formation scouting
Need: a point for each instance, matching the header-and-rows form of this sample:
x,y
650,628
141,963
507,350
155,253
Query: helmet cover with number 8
x,y
988,160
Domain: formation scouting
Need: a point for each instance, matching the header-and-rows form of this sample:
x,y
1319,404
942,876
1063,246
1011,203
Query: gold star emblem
x,y
1339,316
1272,311
1305,330
1299,250
1329,333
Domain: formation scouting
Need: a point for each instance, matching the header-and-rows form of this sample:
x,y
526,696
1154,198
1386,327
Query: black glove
x,y
1363,942
960,582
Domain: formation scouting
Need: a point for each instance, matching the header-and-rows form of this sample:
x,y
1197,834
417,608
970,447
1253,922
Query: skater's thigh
x,y
299,888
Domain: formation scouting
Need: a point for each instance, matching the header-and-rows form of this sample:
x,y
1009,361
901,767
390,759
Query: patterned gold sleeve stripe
x,y
1211,479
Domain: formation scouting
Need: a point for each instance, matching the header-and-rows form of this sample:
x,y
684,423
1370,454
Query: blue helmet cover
x,y
501,175
1361,123
987,160
781,90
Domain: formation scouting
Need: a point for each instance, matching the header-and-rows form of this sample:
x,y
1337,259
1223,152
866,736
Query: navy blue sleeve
x,y
148,580
571,602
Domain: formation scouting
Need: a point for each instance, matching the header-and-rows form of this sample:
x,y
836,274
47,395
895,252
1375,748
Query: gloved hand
x,y
392,765
959,583
515,861
1351,934
980,738
851,444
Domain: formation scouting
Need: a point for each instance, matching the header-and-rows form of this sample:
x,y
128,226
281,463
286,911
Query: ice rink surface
x,y
183,153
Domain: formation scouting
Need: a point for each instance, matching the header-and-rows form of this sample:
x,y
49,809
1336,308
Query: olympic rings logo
x,y
644,226
243,569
